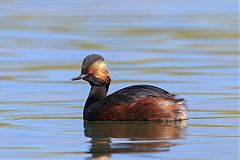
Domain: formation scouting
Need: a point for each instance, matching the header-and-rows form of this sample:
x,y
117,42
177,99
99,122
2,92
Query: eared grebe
x,y
134,103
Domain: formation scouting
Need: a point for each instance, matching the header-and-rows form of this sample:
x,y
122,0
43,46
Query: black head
x,y
94,71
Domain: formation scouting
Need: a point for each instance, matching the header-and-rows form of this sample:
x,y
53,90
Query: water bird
x,y
133,103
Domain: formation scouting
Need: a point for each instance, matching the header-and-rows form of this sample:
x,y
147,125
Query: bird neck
x,y
97,93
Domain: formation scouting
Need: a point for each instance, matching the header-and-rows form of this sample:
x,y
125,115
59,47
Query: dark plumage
x,y
134,103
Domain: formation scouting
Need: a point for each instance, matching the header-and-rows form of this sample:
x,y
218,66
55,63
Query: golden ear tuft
x,y
100,71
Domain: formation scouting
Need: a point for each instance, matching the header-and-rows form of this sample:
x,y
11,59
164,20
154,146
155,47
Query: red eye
x,y
90,72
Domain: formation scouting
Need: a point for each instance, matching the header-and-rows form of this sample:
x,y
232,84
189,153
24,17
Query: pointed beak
x,y
78,77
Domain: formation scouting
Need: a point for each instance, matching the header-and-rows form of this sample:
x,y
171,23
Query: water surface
x,y
189,48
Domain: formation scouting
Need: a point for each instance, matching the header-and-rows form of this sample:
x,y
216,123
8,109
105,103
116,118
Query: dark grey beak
x,y
78,77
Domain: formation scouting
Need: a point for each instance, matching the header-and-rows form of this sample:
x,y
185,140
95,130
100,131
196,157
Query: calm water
x,y
187,47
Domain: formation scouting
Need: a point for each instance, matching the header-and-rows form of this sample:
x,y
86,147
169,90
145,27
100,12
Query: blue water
x,y
189,48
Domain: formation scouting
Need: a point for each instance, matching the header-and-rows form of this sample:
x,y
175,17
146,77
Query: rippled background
x,y
187,47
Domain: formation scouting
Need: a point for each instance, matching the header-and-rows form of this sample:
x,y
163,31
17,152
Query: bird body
x,y
133,103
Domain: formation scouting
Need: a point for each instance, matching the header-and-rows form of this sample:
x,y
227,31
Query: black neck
x,y
97,93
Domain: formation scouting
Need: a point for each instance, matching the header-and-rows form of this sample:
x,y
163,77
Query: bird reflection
x,y
133,137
